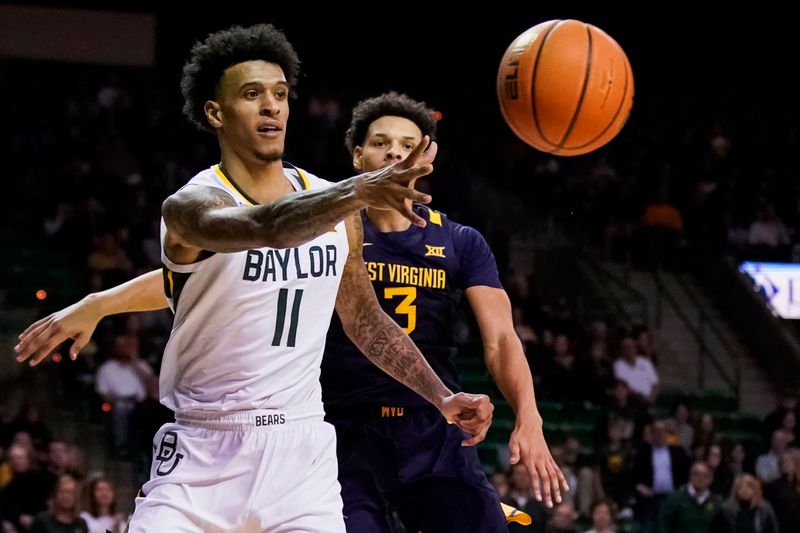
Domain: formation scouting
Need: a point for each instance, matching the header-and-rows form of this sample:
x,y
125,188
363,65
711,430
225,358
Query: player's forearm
x,y
390,349
145,293
298,218
208,219
507,364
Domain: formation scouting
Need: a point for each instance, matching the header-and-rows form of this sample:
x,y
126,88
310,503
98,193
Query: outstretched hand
x,y
470,412
388,187
528,446
78,322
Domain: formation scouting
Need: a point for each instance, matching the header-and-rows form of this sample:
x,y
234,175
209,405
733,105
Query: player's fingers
x,y
404,177
561,479
475,439
418,197
34,342
31,335
554,481
544,476
407,212
513,451
418,150
28,331
77,346
471,426
44,351
428,155
536,482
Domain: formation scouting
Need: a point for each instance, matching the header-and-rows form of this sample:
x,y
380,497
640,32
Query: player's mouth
x,y
269,129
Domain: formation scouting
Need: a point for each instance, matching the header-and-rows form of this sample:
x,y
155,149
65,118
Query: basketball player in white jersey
x,y
256,255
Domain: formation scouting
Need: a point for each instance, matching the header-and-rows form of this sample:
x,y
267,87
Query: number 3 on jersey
x,y
280,319
406,305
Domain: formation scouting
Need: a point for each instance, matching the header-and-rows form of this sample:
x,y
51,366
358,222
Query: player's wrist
x,y
355,188
96,304
440,400
528,421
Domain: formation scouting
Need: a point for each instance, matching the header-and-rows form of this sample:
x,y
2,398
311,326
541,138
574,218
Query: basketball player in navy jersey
x,y
256,255
394,452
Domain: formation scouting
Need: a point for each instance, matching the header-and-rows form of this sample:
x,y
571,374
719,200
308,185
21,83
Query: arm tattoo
x,y
208,218
378,336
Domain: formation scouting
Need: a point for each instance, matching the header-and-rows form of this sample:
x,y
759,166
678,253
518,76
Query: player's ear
x,y
213,113
358,159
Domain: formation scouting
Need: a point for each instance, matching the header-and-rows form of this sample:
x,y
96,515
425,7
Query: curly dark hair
x,y
209,59
400,105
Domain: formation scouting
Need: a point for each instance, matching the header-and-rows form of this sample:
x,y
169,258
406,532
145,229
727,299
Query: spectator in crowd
x,y
637,371
721,486
616,467
768,237
108,262
562,379
597,373
61,459
499,481
627,407
684,431
745,511
602,518
662,230
645,343
30,420
787,403
658,469
26,494
521,496
563,519
704,436
62,517
101,514
784,492
691,508
122,382
767,464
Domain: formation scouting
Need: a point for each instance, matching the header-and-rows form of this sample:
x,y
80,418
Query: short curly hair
x,y
392,103
220,50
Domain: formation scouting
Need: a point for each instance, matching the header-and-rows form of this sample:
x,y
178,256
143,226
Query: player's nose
x,y
394,153
269,106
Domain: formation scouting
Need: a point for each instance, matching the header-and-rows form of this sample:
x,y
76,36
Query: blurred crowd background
x,y
618,261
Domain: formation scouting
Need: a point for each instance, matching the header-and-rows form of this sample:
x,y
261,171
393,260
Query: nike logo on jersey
x,y
434,251
367,244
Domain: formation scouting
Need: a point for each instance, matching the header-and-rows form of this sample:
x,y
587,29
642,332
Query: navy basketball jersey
x,y
418,276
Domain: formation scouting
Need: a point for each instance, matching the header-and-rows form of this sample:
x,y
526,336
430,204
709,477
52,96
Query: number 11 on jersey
x,y
280,319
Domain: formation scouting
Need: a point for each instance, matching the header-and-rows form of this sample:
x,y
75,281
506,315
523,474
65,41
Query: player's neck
x,y
386,220
261,181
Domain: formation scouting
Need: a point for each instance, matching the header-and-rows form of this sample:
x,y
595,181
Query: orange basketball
x,y
565,87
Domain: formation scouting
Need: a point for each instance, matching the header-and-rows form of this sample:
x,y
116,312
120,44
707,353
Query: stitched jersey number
x,y
406,305
283,296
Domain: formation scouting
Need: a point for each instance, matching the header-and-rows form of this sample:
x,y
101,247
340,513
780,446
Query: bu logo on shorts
x,y
166,453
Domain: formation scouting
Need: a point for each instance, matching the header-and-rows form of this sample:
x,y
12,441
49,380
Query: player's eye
x,y
408,146
252,93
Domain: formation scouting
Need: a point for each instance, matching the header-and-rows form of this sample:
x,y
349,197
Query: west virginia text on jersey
x,y
417,274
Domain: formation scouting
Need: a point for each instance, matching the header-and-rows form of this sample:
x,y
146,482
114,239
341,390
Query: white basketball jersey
x,y
250,326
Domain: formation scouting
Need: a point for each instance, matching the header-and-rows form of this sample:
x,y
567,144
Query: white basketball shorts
x,y
246,471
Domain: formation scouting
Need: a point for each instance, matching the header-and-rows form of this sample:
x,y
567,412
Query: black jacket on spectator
x,y
732,517
785,501
27,493
643,466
